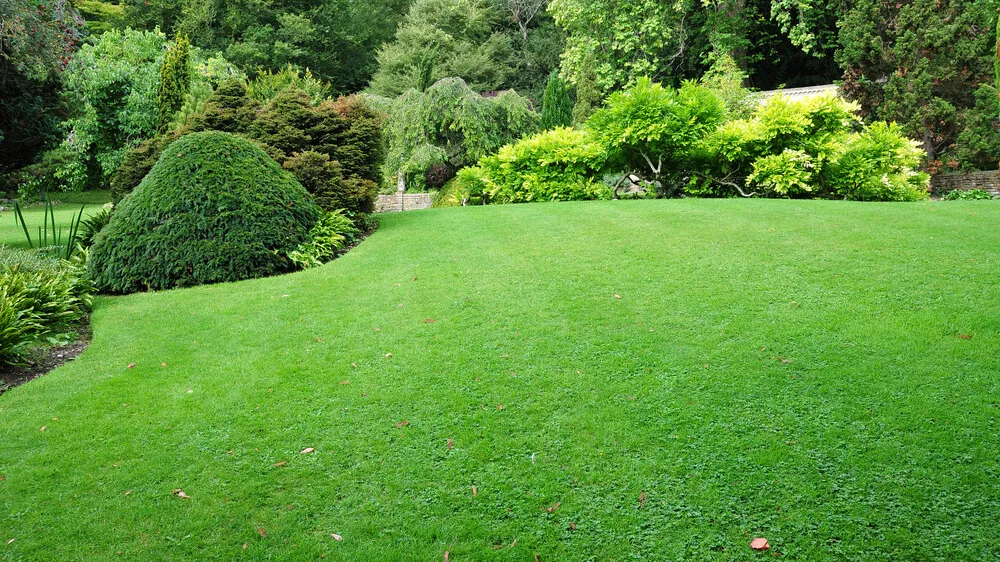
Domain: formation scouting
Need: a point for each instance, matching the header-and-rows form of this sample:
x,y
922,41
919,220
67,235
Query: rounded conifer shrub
x,y
214,208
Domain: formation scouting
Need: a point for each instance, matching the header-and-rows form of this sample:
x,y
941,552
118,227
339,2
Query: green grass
x,y
11,233
823,374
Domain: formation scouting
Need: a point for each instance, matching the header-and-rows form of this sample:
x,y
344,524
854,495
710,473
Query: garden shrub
x,y
468,187
968,195
332,233
336,145
879,164
438,174
214,208
266,85
39,297
562,164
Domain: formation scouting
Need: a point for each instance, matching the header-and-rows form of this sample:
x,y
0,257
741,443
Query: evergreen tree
x,y
557,107
588,96
175,80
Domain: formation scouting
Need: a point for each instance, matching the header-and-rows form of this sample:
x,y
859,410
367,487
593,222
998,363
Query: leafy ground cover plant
x,y
214,208
968,195
39,296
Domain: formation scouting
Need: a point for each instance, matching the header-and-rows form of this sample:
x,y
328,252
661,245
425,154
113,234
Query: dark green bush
x,y
215,208
331,234
138,162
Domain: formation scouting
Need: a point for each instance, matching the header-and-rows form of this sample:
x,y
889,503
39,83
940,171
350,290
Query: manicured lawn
x,y
823,374
11,233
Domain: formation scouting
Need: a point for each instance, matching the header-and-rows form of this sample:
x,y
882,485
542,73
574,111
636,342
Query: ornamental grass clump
x,y
214,208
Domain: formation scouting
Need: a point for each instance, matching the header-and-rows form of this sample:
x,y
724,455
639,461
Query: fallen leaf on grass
x,y
642,499
403,423
2,477
759,543
786,360
180,493
43,428
965,336
500,407
282,463
244,546
345,382
130,365
446,556
537,559
319,340
163,364
553,508
262,532
617,296
450,445
336,537
572,526
388,355
475,491
354,365
11,540
307,450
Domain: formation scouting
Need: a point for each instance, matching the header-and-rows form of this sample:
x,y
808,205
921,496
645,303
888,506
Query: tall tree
x,y
918,63
588,96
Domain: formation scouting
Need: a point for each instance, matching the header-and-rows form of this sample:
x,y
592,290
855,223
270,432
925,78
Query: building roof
x,y
800,93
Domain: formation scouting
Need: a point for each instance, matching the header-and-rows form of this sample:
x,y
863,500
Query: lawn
x,y
11,233
611,380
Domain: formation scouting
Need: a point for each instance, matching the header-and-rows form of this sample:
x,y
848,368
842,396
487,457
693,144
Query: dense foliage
x,y
449,123
214,208
333,231
687,141
561,164
557,107
40,297
334,148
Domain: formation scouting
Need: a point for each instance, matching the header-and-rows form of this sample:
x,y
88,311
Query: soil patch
x,y
43,361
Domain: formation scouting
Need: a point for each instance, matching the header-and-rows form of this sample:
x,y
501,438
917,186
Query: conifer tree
x,y
175,80
557,107
588,96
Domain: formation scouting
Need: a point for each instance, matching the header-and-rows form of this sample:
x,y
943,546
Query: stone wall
x,y
987,181
402,202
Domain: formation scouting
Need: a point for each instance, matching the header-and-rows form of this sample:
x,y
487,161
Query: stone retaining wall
x,y
402,202
987,181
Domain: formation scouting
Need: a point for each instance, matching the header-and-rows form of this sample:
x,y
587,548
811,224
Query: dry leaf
x,y
965,336
2,477
282,463
446,556
244,546
130,365
336,537
572,526
180,493
127,492
388,355
307,450
500,407
319,339
43,428
345,382
262,532
450,445
163,364
10,541
553,508
642,499
430,321
354,365
403,423
759,543
617,296
536,557
475,491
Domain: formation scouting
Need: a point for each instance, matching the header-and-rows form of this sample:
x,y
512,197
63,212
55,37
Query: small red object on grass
x,y
759,543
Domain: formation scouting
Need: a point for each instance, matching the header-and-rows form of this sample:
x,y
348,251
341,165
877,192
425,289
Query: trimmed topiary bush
x,y
214,208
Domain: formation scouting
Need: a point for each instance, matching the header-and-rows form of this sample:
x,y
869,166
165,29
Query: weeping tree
x,y
175,81
449,125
